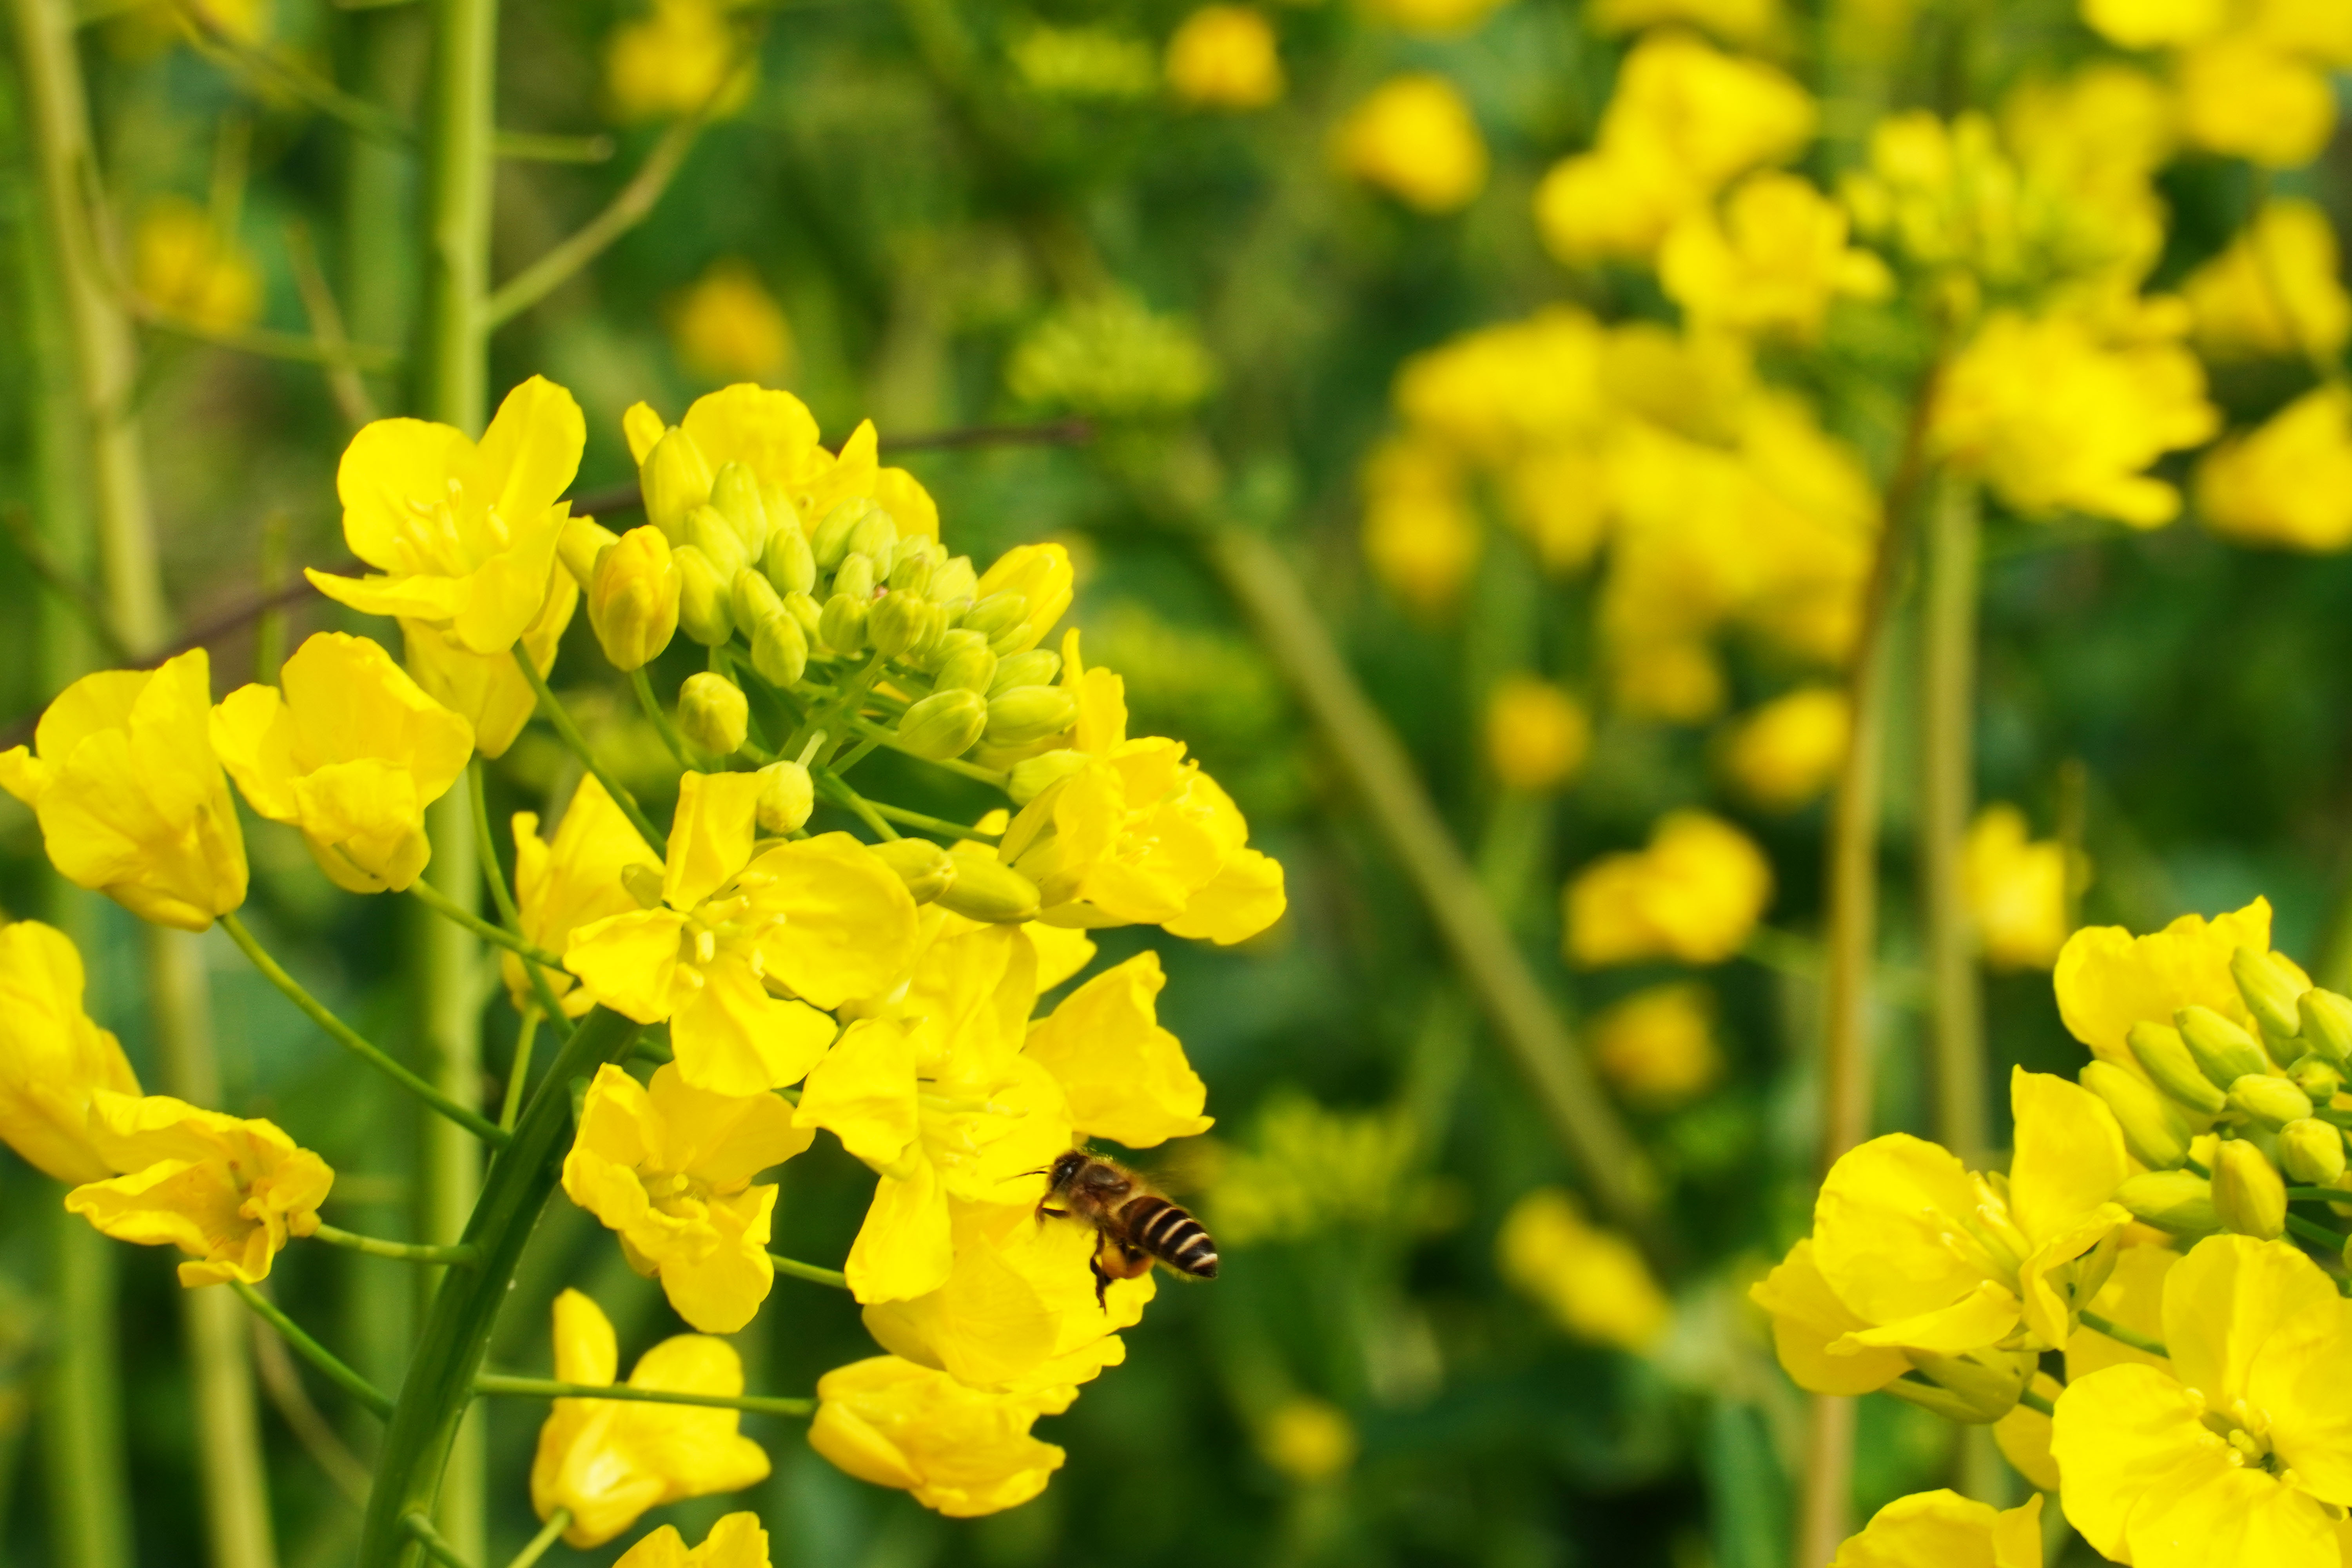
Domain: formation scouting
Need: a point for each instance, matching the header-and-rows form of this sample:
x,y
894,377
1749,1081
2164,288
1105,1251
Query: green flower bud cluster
x,y
978,888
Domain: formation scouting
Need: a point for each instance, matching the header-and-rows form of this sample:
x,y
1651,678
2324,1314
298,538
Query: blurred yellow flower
x,y
1747,22
1111,355
735,1541
1945,1529
486,689
1536,734
609,1460
1309,1169
2276,289
1434,18
725,326
350,751
959,1450
1224,57
1593,1281
1125,1076
2153,24
1770,262
820,917
1414,137
1508,389
1784,753
2286,483
1657,1047
227,1192
2107,980
670,1167
1310,1441
1692,895
576,878
683,57
2016,890
190,271
2243,97
53,1058
1420,537
130,801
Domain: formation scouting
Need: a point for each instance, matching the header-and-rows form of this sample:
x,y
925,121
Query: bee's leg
x,y
1045,1212
1102,1284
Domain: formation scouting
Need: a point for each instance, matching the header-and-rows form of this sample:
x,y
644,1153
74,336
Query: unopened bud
x,y
2317,1077
2224,1052
2312,1151
988,889
923,866
1036,667
911,564
711,533
582,540
1975,1390
633,598
2327,1024
2156,1133
2271,1101
998,613
2270,988
754,596
841,625
927,635
831,541
674,479
2249,1196
2178,1201
706,611
894,623
954,579
969,665
805,610
780,509
944,724
2159,1049
1030,713
713,712
779,649
855,576
874,534
787,795
735,495
1033,777
788,564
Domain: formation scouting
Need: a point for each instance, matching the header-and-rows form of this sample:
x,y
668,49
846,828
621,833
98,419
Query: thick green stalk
x,y
1947,795
439,1389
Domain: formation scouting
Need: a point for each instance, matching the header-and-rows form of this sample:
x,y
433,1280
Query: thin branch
x,y
224,48
327,325
809,1271
283,1382
826,776
548,1388
557,1524
436,1545
406,1251
2124,1336
551,147
264,341
311,1350
833,789
562,719
77,595
441,904
486,848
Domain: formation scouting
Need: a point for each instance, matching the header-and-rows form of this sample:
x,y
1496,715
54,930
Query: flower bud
x,y
2159,1049
895,622
674,479
2327,1024
752,596
1975,1390
874,534
633,598
704,609
1033,777
926,636
1036,667
2270,1101
969,665
911,564
2224,1052
1030,713
711,533
582,540
713,713
735,496
998,613
954,580
2270,988
2178,1201
788,563
855,576
2317,1077
787,795
779,649
987,889
2156,1133
842,627
807,611
923,866
2248,1195
944,724
831,542
2312,1151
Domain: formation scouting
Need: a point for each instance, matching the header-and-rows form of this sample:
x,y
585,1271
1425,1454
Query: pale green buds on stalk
x,y
735,495
633,598
582,540
874,535
2317,1077
2178,1201
787,795
954,581
841,625
944,724
713,535
780,648
706,610
806,611
988,889
923,866
2268,1101
1033,777
2165,1055
788,564
2248,1195
838,533
2224,1052
713,712
2271,990
2156,1134
1036,667
1975,1390
1030,713
896,622
2312,1153
1001,618
911,566
855,576
968,667
2327,1024
674,479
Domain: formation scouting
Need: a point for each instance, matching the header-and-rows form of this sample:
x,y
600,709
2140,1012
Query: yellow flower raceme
x,y
2287,483
1415,138
2240,1451
1784,753
1945,1529
464,532
1420,534
2276,290
1770,262
1125,1076
227,1192
735,1541
727,327
576,878
189,271
130,801
1042,576
959,1450
1309,1440
2153,24
350,751
1593,1281
1657,1047
1224,57
678,61
1536,734
486,689
53,1058
1692,895
2016,891
2107,980
609,1460
670,1167
2244,96
820,917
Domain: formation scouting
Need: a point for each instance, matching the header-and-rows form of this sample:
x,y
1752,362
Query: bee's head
x,y
1065,1170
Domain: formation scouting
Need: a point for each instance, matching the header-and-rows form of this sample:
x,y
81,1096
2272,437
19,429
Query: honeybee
x,y
1137,1226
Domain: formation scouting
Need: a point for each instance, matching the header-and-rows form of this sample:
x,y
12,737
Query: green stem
x,y
448,909
578,744
420,1528
81,1411
2320,1194
2318,1234
841,795
548,1388
1948,769
407,1251
2123,1336
486,847
311,1350
351,1040
851,799
2033,1401
557,1524
440,1382
640,683
518,1074
994,776
809,1271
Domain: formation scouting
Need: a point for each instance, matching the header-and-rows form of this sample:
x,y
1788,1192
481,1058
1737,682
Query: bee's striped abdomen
x,y
1170,1234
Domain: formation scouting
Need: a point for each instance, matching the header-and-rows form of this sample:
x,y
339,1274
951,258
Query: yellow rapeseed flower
x,y
1421,536
191,271
1414,137
1692,895
1309,1440
486,689
576,878
2107,980
1224,57
737,1540
1945,1529
2016,890
1784,753
350,751
2153,24
2243,97
670,1167
725,326
1433,18
609,1460
959,1450
227,1192
634,591
130,800
1746,23
1043,576
1770,262
2276,290
53,1058
1502,391
1125,1076
2287,483
1657,1047
1536,734
1593,1281
821,918
683,57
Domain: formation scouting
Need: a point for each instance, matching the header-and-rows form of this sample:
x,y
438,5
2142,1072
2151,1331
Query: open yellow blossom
x,y
1536,734
1945,1529
959,1450
1420,537
1309,1440
821,918
1224,57
1043,576
683,58
1414,138
464,532
2016,891
1784,754
1657,1047
130,801
2107,980
1506,390
2287,483
486,689
670,1167
2153,24
2243,97
576,878
1593,1281
350,751
227,1192
1771,262
737,1540
53,1058
725,326
1692,895
2240,1452
609,1460
1747,22
191,271
1125,1076
2276,290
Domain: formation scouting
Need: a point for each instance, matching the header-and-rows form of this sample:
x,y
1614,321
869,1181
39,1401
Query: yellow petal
x,y
629,962
386,464
1126,1076
1884,1225
1945,1529
2023,1437
710,835
53,1058
864,1092
2070,1154
905,1249
531,454
585,1350
1807,1318
1245,898
2122,1437
734,1038
2108,980
722,1139
1985,1316
1060,954
721,1290
2133,1297
850,924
